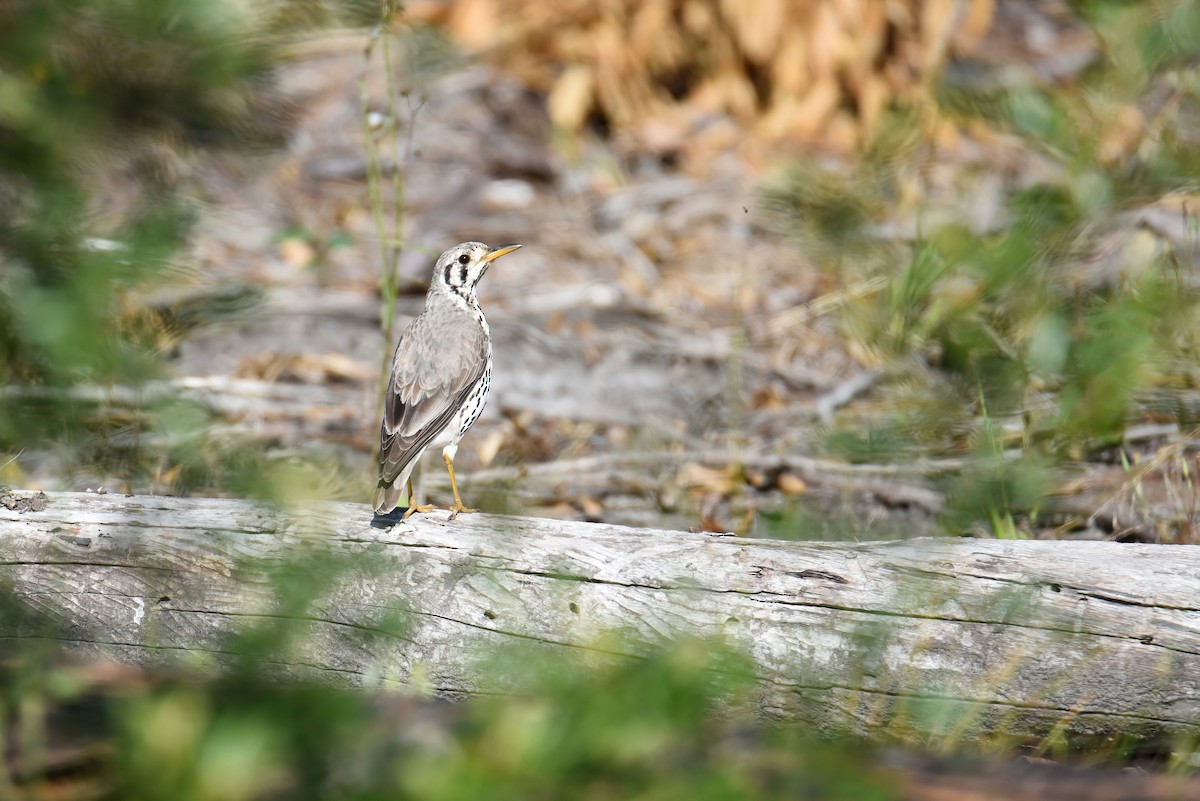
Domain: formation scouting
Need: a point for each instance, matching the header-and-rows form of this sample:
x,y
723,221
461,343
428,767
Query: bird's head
x,y
459,269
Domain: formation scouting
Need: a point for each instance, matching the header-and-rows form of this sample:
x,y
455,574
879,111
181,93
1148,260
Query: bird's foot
x,y
418,508
458,507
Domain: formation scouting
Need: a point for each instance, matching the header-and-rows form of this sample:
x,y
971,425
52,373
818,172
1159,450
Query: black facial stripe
x,y
446,274
462,274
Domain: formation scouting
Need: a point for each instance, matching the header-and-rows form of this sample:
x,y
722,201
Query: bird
x,y
440,380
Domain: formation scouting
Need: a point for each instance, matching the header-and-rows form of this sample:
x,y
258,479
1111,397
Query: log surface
x,y
966,635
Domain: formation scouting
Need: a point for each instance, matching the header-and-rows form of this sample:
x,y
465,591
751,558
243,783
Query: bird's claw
x,y
418,508
458,507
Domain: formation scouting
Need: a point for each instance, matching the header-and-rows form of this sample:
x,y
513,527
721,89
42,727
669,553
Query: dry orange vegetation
x,y
808,70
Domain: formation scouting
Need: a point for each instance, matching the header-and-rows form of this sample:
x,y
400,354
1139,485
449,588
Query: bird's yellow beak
x,y
497,252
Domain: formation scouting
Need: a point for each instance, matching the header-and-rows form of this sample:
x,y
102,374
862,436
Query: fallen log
x,y
948,635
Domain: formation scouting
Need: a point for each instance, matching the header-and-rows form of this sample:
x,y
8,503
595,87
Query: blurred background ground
x,y
768,283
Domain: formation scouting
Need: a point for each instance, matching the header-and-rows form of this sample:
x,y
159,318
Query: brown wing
x,y
439,358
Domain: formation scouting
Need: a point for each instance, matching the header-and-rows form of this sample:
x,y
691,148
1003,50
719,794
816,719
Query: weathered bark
x,y
958,634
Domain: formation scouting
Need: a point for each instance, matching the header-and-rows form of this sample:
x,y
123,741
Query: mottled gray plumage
x,y
431,377
441,374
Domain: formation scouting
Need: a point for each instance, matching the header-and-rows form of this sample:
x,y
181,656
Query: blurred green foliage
x,y
648,728
92,86
102,104
644,729
107,107
1039,335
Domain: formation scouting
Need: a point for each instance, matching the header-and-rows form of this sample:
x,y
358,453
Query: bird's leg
x,y
458,504
413,506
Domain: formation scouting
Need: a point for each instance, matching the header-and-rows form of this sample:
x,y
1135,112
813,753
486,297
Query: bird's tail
x,y
387,496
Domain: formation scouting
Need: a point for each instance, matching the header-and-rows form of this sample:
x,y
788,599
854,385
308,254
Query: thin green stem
x,y
375,200
392,265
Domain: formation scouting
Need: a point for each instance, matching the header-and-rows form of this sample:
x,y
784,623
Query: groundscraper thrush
x,y
441,377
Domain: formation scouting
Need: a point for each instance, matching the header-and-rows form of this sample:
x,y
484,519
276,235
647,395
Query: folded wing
x,y
432,375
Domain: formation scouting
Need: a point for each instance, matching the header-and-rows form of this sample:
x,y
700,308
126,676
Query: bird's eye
x,y
464,258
